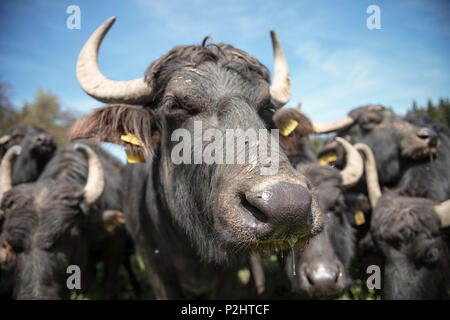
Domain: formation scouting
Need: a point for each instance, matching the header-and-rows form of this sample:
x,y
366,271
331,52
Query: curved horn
x,y
333,126
4,139
6,167
280,90
97,85
95,180
443,212
373,187
353,170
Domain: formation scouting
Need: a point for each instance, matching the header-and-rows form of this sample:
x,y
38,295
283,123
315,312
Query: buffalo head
x,y
219,90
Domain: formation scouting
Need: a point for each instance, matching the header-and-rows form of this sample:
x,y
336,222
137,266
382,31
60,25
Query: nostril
x,y
41,139
258,214
429,135
310,280
337,275
310,218
426,133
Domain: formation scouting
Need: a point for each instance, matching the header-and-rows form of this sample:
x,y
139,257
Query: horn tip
x,y
111,20
273,34
16,150
340,140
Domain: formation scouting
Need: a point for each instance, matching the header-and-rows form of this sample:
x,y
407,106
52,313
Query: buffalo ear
x,y
112,219
7,254
114,121
291,120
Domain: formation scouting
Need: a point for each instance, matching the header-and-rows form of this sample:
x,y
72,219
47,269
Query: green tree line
x,y
439,111
44,111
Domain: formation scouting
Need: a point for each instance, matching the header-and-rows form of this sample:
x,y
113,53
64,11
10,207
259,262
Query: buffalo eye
x,y
266,114
431,255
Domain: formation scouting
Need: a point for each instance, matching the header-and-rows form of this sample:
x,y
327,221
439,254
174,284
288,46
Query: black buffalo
x,y
295,129
37,149
396,143
407,233
179,213
323,266
61,220
430,177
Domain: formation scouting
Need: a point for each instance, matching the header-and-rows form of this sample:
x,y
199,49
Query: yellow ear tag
x,y
133,157
327,158
359,218
131,138
288,127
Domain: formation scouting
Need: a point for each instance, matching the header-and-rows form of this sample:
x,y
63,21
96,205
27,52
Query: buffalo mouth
x,y
44,149
420,153
262,237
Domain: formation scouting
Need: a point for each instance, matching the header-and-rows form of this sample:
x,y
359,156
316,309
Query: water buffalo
x,y
37,149
407,231
323,266
190,218
430,177
295,129
396,143
61,220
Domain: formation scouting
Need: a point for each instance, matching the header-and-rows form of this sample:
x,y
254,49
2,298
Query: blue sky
x,y
336,62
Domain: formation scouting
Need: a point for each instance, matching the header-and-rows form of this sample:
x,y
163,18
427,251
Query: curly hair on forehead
x,y
403,218
224,55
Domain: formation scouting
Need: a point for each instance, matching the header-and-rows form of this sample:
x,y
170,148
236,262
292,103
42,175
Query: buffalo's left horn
x,y
4,139
373,187
6,167
97,85
95,180
353,170
333,126
280,90
443,212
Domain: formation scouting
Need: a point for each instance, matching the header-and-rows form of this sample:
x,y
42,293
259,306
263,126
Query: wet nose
x,y
322,278
281,206
429,135
43,139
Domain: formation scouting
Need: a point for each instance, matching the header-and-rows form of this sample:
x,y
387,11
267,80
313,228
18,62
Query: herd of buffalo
x,y
375,194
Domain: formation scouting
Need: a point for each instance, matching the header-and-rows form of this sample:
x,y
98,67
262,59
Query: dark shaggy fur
x,y
393,140
429,178
49,226
191,213
334,246
407,232
37,149
295,145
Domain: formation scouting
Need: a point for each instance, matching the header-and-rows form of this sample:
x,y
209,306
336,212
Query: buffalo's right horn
x,y
280,90
443,212
97,85
95,181
4,139
373,187
333,126
353,170
6,168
